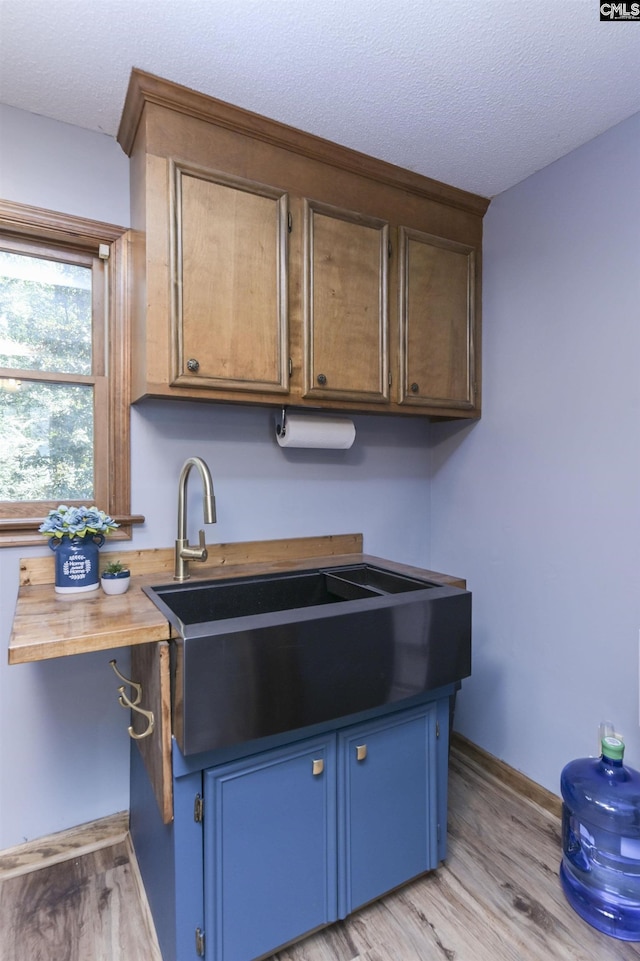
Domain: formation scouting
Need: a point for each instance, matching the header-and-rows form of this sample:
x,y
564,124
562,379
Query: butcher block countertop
x,y
48,625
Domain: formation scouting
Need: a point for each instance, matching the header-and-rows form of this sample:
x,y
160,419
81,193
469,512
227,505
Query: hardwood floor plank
x,y
508,851
515,780
81,909
333,942
445,920
35,855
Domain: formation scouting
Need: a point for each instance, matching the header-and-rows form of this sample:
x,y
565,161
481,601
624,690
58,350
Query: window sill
x,y
23,531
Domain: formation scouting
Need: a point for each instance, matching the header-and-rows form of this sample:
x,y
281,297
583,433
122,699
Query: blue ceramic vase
x,y
76,563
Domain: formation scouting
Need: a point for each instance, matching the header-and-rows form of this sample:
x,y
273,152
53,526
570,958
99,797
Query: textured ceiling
x,y
476,94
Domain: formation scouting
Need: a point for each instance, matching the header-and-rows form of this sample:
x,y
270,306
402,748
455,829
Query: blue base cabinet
x,y
270,849
267,847
387,805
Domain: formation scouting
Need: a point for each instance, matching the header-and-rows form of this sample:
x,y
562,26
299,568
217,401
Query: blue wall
x,y
539,503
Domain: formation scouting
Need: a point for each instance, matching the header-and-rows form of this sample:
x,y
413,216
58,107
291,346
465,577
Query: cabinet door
x,y
387,805
437,321
346,305
150,668
270,849
229,279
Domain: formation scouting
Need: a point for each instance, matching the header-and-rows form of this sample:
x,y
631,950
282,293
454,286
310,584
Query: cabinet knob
x,y
193,365
414,388
321,378
318,766
361,752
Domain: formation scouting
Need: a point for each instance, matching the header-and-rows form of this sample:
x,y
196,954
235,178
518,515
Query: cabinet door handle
x,y
322,379
361,752
318,766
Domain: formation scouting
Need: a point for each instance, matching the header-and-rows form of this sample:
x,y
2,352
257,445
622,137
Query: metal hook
x,y
137,687
125,702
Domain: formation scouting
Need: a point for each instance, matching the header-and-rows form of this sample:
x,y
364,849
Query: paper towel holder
x,y
306,430
281,428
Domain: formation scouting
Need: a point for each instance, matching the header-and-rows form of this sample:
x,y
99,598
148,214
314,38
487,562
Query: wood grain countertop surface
x,y
49,625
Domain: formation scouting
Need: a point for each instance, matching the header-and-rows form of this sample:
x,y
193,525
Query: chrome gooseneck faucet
x,y
185,553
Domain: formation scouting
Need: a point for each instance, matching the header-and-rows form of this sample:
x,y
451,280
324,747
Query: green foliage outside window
x,y
46,427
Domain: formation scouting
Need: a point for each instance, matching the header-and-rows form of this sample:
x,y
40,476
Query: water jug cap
x,y
613,748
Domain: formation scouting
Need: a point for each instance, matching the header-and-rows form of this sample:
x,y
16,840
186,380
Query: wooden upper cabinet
x,y
269,266
345,305
437,321
229,273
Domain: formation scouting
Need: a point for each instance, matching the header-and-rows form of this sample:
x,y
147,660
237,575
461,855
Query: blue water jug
x,y
600,870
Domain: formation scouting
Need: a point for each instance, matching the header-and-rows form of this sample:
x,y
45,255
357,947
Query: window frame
x,y
55,235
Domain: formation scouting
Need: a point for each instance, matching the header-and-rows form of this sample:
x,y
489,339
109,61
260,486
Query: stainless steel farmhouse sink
x,y
261,655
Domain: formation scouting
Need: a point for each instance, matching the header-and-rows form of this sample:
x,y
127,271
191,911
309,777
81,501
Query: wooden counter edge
x,y
29,652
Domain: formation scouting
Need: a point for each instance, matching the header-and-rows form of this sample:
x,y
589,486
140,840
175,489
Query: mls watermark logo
x,y
620,11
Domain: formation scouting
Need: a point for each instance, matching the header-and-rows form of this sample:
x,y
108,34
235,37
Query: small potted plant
x,y
115,578
75,536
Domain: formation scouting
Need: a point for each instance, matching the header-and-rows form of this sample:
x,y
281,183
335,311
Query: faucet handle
x,y
185,552
203,545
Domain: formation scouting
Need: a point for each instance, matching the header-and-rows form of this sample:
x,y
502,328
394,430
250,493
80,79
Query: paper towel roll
x,y
307,430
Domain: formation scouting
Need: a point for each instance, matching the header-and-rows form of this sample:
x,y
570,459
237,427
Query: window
x,y
64,403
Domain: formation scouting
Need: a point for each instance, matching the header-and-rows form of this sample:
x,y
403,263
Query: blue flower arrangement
x,y
77,522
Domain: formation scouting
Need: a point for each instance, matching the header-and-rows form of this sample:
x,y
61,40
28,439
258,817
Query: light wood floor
x,y
497,898
88,907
